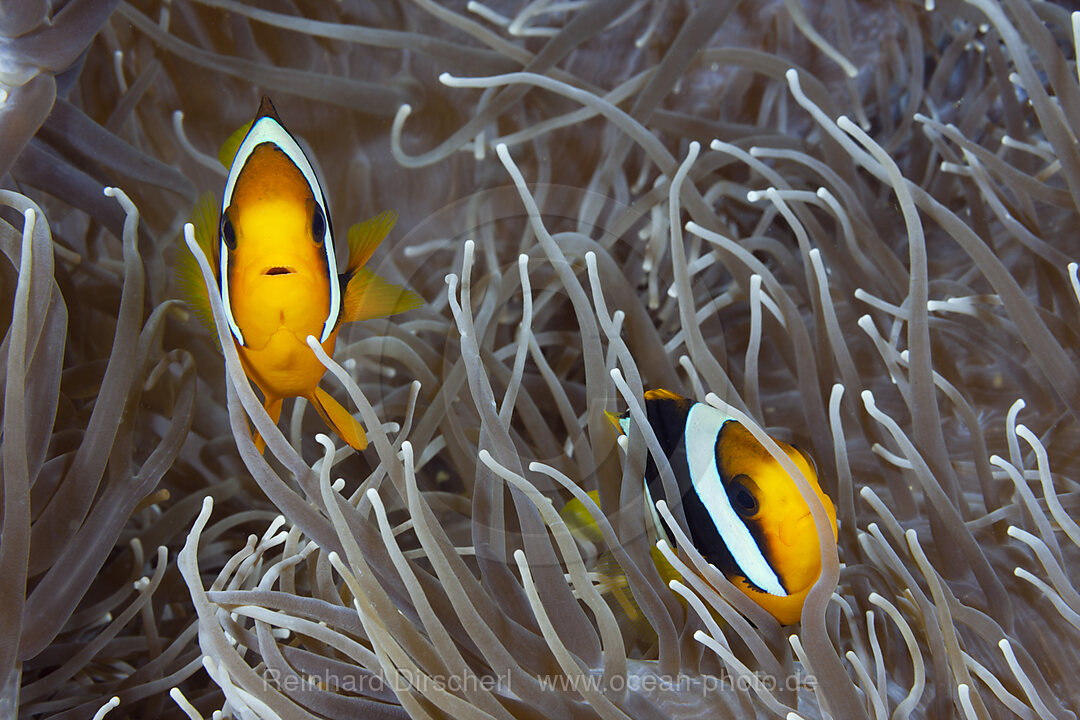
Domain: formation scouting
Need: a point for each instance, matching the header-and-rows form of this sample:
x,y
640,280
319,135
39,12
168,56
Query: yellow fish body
x,y
272,248
744,512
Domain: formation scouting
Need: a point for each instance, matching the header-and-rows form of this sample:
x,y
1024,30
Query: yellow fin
x,y
369,296
578,520
232,144
339,419
610,580
188,275
613,418
273,409
661,394
365,237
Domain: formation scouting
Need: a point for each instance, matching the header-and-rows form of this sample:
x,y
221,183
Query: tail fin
x,y
339,419
610,578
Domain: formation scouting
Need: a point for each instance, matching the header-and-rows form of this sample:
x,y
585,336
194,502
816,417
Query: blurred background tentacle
x,y
850,224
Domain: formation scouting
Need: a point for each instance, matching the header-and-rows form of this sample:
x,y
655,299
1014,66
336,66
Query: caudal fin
x,y
609,577
338,419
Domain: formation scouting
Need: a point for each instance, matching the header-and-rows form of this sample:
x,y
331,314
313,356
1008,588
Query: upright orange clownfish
x,y
272,249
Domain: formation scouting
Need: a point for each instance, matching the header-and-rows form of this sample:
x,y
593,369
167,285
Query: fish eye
x,y
318,225
742,499
228,234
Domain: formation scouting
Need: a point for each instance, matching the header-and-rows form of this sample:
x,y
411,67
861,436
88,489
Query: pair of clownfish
x,y
271,246
744,512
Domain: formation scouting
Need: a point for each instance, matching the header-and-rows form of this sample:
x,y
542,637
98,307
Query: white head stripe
x,y
223,271
267,129
703,424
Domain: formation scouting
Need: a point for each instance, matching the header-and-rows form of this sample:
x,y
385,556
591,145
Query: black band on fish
x,y
703,426
717,509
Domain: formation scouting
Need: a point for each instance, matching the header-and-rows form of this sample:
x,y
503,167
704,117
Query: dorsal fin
x,y
267,109
232,143
661,394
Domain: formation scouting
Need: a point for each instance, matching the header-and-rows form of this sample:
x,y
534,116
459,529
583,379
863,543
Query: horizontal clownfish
x,y
271,245
744,512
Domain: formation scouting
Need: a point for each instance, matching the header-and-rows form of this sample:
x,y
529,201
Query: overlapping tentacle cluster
x,y
852,230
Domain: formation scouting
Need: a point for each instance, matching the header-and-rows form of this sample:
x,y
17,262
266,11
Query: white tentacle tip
x,y
189,238
324,440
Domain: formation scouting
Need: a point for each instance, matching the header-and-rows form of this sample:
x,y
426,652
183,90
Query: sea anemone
x,y
849,225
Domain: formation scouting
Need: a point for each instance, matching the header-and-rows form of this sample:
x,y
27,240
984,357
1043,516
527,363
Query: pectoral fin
x,y
188,275
369,296
365,237
232,144
338,419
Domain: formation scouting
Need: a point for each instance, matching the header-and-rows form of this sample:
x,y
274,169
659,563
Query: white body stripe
x,y
223,259
267,129
703,424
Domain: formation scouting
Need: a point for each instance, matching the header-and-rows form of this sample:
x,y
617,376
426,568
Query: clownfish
x,y
271,245
743,510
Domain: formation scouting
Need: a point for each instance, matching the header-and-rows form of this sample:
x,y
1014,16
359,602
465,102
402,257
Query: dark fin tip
x,y
267,109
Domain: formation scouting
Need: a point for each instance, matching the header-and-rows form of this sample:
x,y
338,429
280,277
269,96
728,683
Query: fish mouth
x,y
279,270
